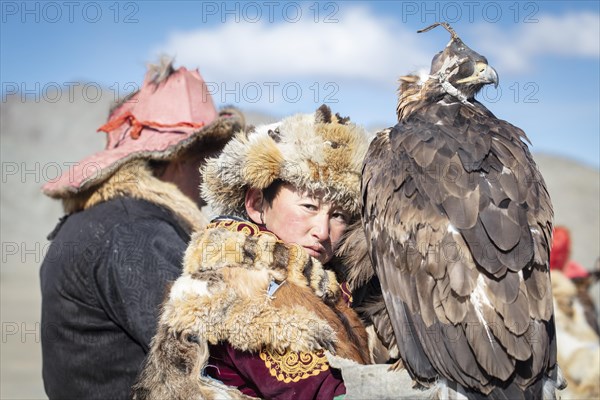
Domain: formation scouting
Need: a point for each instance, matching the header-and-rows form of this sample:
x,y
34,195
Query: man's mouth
x,y
315,251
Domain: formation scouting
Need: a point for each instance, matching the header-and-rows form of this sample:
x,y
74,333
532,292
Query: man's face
x,y
191,179
185,173
296,217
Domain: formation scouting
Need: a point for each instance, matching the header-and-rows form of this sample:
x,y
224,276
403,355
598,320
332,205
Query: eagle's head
x,y
461,71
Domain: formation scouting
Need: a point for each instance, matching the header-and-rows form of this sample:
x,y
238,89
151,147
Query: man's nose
x,y
321,227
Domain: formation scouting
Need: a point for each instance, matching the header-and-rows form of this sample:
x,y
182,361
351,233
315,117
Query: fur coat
x,y
267,302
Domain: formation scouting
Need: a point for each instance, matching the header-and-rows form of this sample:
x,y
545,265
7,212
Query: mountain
x,y
39,139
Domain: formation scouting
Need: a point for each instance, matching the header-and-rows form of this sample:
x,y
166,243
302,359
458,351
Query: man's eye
x,y
341,217
309,206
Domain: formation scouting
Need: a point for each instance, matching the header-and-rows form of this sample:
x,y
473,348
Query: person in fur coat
x,y
130,210
257,310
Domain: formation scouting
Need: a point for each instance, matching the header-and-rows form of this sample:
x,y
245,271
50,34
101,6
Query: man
x,y
255,311
130,211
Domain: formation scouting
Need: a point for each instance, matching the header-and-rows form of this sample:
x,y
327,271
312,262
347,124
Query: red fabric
x,y
137,126
574,270
247,372
561,252
561,248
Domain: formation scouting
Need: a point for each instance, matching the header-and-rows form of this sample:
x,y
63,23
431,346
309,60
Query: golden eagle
x,y
458,224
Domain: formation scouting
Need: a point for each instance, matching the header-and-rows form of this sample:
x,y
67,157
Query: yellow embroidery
x,y
292,366
245,227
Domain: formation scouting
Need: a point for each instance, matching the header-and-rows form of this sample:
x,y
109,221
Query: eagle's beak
x,y
483,74
489,75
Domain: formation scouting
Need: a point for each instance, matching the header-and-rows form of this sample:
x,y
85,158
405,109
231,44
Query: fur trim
x,y
178,358
226,313
318,152
223,296
135,180
222,293
160,72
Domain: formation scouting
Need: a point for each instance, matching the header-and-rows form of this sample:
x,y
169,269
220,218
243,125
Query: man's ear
x,y
254,205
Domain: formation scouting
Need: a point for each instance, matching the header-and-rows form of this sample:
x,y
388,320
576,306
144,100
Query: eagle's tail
x,y
552,386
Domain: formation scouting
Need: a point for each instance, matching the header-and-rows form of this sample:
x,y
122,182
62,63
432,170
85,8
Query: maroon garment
x,y
250,374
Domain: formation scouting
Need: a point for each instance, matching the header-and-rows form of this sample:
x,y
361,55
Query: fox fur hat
x,y
320,152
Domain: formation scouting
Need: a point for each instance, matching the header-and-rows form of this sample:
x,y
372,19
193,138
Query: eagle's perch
x,y
458,224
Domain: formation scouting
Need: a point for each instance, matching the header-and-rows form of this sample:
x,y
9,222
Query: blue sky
x,y
285,57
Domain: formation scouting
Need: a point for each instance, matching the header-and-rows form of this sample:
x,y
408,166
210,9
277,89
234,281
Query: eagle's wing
x,y
458,224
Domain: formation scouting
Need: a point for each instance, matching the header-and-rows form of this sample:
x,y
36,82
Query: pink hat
x,y
171,111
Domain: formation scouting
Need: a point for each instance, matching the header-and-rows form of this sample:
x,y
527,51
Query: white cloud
x,y
363,55
575,34
360,46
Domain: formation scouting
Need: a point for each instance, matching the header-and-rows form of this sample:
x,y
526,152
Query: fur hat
x,y
172,111
319,152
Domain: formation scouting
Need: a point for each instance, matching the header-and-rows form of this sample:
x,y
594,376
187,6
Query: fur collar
x,y
135,180
223,295
223,292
